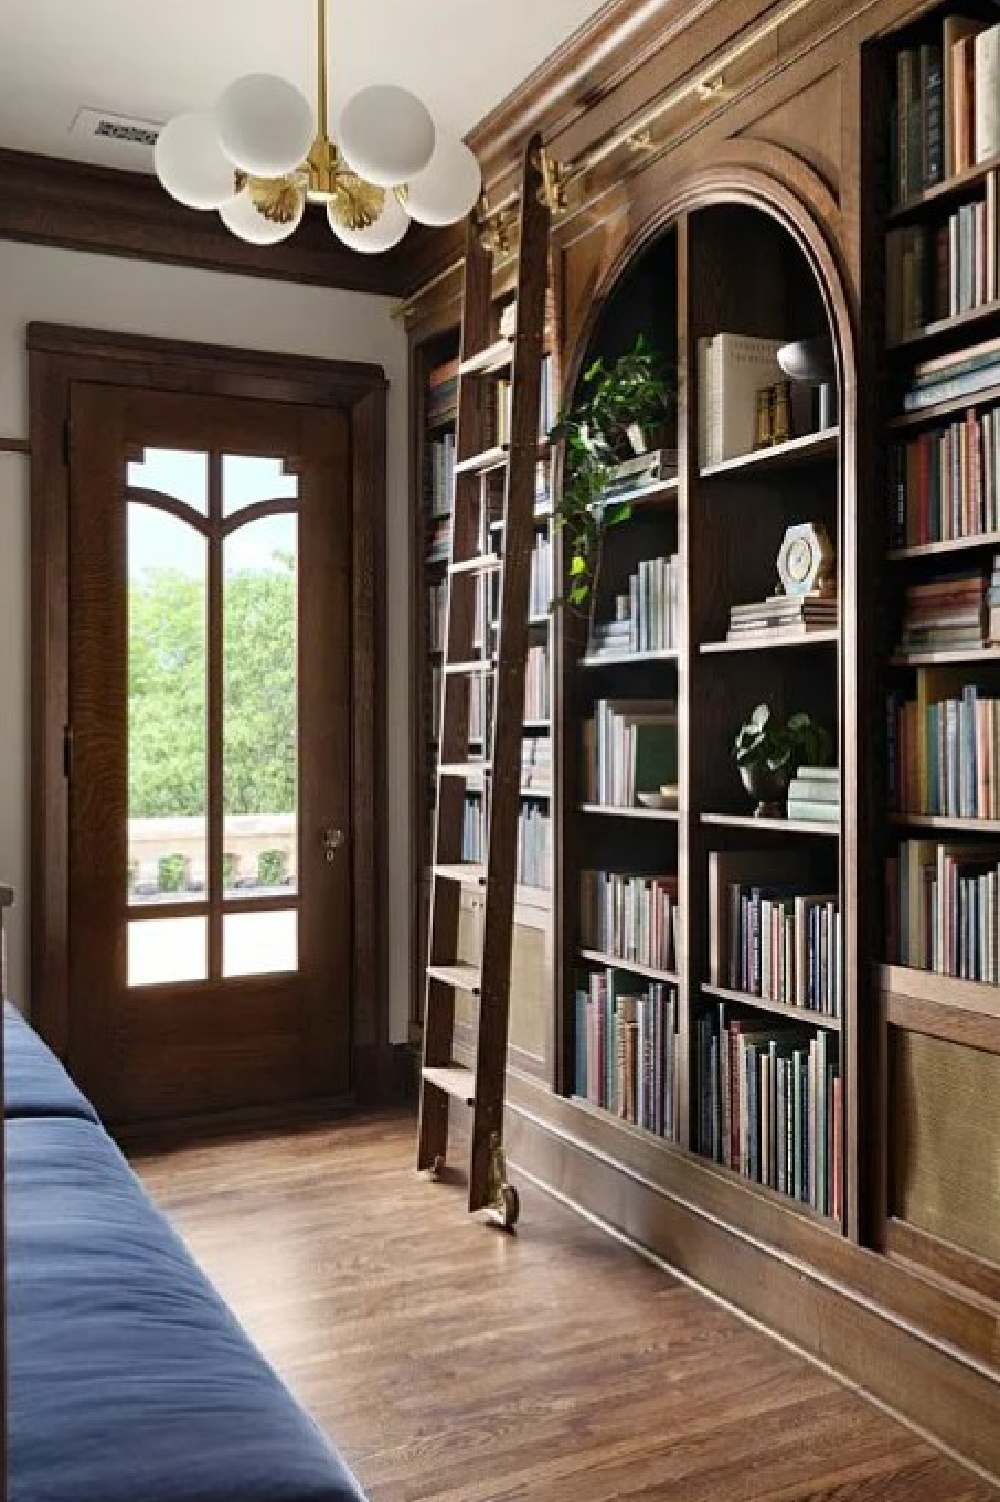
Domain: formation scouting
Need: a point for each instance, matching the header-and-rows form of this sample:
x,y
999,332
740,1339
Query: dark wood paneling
x,y
79,207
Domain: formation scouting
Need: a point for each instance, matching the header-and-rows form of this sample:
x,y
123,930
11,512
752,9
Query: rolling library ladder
x,y
503,647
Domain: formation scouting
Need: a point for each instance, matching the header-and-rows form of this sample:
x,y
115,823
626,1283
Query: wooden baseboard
x,y
385,1074
950,1396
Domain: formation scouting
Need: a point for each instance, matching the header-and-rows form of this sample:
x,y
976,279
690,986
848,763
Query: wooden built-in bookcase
x,y
766,209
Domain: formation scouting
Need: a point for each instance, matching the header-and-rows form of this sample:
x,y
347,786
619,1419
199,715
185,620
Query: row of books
x,y
627,1049
547,407
950,612
633,917
437,615
814,795
946,378
769,1104
947,105
783,615
540,592
629,747
442,392
648,615
441,475
732,369
534,840
945,482
936,271
943,909
536,763
438,540
771,933
537,702
944,755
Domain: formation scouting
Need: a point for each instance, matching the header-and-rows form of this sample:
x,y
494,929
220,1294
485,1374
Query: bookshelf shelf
x,y
481,464
765,643
948,992
778,1008
771,826
773,1196
615,962
942,549
622,659
945,656
664,815
939,821
621,1124
442,421
648,497
811,448
493,360
947,328
957,186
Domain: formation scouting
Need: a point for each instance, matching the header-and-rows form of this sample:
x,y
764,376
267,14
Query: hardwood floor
x,y
452,1362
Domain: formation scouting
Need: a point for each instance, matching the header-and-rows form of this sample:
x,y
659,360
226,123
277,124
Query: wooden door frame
x,y
59,356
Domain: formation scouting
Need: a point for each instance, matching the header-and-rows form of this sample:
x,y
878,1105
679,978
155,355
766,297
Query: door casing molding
x,y
58,357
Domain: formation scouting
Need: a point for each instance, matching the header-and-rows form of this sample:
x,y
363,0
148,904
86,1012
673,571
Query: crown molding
x,y
45,200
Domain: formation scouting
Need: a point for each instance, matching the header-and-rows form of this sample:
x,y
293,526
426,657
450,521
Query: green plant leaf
x,y
578,565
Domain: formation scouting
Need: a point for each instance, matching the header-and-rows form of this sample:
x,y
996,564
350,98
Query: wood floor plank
x,y
452,1363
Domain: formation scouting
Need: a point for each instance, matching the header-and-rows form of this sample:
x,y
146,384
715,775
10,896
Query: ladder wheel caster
x,y
509,1208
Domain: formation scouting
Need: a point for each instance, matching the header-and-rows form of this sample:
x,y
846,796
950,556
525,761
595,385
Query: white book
x,y
736,366
987,93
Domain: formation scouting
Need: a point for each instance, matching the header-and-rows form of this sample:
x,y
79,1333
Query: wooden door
x,y
209,749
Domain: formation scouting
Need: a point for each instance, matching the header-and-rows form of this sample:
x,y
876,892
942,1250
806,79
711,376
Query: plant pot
x,y
769,785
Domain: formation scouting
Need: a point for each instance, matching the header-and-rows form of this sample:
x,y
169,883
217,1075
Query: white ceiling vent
x,y
118,140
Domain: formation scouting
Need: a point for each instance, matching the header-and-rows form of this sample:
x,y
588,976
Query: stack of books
x,y
534,847
633,917
536,684
648,616
952,377
950,613
627,1049
947,105
732,368
441,473
944,754
945,482
629,747
783,615
442,393
814,795
769,1104
943,909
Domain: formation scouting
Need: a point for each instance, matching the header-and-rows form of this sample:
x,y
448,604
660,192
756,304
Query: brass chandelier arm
x,y
323,79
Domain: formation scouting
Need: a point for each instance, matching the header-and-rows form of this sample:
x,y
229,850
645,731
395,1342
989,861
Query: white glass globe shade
x,y
265,125
386,135
449,185
191,164
387,231
248,223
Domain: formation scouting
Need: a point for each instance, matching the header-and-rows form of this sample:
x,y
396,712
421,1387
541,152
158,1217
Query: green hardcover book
x,y
655,755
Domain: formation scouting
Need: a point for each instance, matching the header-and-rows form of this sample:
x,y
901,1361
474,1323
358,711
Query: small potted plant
x,y
769,753
620,408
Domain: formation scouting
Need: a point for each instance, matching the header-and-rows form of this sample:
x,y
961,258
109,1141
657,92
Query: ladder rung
x,y
468,873
463,769
463,977
495,357
481,665
478,464
486,563
453,1079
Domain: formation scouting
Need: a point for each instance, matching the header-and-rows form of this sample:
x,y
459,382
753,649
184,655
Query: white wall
x,y
58,286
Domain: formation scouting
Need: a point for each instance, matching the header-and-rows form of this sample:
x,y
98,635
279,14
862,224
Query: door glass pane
x,y
167,782
260,943
248,478
179,473
260,708
167,949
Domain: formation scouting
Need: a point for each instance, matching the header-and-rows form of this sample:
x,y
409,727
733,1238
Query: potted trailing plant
x,y
769,753
620,408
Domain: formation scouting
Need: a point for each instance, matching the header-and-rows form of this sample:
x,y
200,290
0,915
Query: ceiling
x,y
151,60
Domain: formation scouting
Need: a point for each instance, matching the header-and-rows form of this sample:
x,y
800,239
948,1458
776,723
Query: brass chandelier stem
x,y
322,117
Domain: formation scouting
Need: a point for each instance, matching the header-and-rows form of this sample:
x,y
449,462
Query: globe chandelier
x,y
258,158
